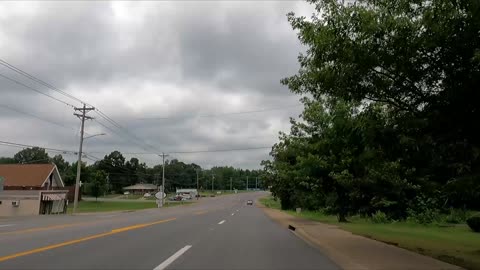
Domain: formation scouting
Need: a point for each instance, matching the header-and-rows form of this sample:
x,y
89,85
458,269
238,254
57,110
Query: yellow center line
x,y
115,231
48,228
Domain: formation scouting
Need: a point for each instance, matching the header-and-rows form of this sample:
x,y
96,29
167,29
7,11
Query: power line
x,y
222,150
37,80
124,137
37,117
117,125
24,73
197,151
20,145
38,91
33,161
222,114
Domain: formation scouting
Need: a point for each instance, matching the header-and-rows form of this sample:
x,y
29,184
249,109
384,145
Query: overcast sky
x,y
185,62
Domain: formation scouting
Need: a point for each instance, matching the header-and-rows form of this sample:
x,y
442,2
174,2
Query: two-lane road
x,y
215,233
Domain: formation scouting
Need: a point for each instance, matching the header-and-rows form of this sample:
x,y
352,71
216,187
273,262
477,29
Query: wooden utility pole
x,y
163,179
82,115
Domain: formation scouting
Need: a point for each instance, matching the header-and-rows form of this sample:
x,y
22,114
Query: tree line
x,y
391,91
114,172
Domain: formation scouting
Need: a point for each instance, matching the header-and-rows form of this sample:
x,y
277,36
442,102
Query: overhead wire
x,y
197,151
36,90
20,145
48,85
26,74
222,114
119,126
39,118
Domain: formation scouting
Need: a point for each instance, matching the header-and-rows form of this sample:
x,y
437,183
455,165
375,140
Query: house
x,y
141,188
30,177
31,189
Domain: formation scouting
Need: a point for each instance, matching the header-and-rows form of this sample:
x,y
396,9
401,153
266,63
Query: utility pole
x,y
108,183
198,194
231,184
247,182
163,179
256,183
213,179
82,115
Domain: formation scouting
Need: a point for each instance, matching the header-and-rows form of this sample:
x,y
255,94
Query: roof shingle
x,y
25,174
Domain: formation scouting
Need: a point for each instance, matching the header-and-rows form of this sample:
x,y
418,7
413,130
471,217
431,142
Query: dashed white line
x,y
172,258
221,222
233,214
6,225
237,210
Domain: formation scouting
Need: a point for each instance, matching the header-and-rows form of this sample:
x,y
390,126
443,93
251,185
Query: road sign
x,y
159,196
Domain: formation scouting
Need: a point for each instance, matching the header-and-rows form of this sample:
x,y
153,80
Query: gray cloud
x,y
165,59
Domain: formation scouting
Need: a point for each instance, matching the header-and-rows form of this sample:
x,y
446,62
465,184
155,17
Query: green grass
x,y
109,196
270,202
131,196
455,244
92,206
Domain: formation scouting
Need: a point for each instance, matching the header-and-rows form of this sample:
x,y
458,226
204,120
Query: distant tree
x,y
62,166
98,185
7,160
32,155
114,165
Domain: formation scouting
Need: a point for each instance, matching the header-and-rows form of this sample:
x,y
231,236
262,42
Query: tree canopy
x,y
394,89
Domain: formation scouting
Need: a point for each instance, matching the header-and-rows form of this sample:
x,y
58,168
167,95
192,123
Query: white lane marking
x,y
6,225
221,222
233,214
237,210
172,258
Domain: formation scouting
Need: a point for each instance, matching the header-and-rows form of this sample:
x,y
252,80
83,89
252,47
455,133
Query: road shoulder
x,y
351,251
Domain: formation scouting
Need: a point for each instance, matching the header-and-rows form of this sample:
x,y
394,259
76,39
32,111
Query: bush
x,y
424,217
474,223
380,217
456,216
423,210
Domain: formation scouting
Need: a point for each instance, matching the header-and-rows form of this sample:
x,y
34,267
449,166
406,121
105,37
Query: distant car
x,y
146,195
249,202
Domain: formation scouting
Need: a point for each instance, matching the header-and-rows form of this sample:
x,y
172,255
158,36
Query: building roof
x,y
25,174
141,186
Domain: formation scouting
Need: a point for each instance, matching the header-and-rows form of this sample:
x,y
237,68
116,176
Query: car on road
x,y
249,202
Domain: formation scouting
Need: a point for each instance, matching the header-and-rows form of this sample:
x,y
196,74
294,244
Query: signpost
x,y
160,195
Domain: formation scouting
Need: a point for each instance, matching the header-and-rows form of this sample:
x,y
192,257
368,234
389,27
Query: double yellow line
x,y
115,231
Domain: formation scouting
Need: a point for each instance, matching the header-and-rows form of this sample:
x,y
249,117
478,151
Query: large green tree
x,y
98,185
32,155
394,87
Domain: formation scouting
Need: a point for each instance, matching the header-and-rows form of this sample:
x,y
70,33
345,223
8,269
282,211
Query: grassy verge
x,y
92,206
455,244
109,196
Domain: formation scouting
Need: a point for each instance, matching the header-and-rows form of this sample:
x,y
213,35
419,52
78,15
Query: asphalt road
x,y
215,233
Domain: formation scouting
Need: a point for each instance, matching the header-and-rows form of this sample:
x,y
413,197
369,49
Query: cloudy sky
x,y
174,74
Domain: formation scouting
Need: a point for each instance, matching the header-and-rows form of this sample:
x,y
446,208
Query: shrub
x,y
456,216
423,210
424,217
474,223
380,217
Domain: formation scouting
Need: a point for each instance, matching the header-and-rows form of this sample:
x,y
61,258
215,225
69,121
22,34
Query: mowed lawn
x,y
455,244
